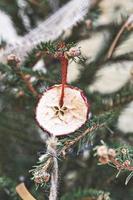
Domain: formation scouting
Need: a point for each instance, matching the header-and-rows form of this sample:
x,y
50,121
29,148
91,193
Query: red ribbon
x,y
64,66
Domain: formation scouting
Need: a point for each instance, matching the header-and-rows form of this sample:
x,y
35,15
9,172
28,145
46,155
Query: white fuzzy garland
x,y
54,180
51,149
50,29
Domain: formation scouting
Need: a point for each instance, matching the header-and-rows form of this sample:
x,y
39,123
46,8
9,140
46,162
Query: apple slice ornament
x,y
62,109
62,119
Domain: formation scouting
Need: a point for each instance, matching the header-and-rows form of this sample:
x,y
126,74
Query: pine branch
x,y
113,102
62,149
72,142
13,61
90,194
120,158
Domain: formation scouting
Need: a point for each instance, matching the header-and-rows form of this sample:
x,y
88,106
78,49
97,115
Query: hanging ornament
x,y
62,109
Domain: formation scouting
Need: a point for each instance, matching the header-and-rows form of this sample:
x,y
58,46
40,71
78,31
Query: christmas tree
x,y
66,91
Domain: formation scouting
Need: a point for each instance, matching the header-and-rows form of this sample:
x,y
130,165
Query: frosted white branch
x,y
66,17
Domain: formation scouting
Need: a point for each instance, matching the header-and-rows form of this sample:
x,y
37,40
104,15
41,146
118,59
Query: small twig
x,y
113,46
15,62
47,164
124,100
28,84
126,26
116,106
44,78
120,166
68,144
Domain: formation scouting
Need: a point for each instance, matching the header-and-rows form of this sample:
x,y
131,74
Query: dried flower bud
x,y
102,150
58,54
73,52
20,93
111,153
124,151
27,77
63,153
33,79
126,163
13,59
41,177
47,177
38,54
104,160
104,196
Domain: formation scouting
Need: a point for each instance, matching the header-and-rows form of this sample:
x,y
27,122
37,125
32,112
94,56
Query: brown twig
x,y
28,84
68,144
123,100
113,46
121,166
116,106
14,61
126,26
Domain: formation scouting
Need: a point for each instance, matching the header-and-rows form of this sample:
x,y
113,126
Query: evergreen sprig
x,y
82,194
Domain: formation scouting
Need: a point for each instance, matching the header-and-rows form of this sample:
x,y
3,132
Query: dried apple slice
x,y
62,120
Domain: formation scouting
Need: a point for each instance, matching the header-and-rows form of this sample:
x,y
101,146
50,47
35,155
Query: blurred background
x,y
108,84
